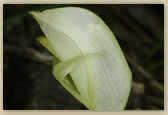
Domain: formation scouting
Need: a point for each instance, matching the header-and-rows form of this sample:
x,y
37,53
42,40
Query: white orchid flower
x,y
91,64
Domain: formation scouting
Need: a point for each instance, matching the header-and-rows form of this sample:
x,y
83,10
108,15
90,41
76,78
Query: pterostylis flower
x,y
91,64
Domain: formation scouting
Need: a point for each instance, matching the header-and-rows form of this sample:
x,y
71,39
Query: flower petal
x,y
103,82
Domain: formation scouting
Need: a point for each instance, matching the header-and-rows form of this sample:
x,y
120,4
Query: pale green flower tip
x,y
42,39
33,13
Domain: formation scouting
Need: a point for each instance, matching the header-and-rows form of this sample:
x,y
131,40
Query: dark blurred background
x,y
28,82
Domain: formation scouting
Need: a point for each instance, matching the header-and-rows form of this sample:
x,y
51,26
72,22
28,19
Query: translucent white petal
x,y
103,82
